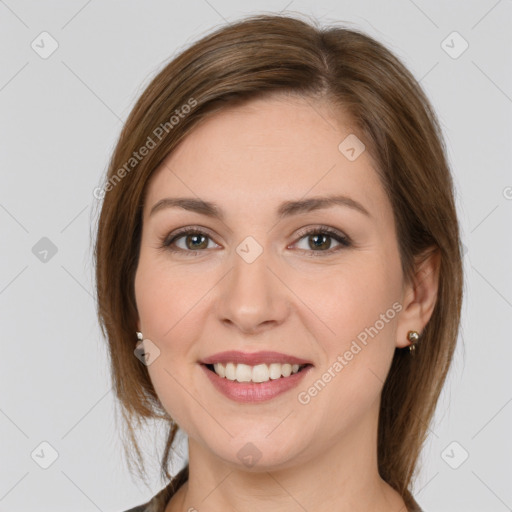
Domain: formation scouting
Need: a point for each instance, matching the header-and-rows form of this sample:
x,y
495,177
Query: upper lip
x,y
252,358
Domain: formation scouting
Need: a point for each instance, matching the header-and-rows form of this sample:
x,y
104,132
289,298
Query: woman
x,y
277,235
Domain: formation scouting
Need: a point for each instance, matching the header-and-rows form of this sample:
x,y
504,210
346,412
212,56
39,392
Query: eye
x,y
319,239
196,240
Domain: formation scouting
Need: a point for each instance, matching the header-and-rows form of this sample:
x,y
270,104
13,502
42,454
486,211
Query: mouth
x,y
254,376
257,374
253,384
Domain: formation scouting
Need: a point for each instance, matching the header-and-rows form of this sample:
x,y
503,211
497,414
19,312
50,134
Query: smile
x,y
263,388
258,373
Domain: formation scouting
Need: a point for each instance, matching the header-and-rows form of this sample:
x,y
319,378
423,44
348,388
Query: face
x,y
255,280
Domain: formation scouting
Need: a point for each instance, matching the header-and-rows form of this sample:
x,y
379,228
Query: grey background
x,y
60,118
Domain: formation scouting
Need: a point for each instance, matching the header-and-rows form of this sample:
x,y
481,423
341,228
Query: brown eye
x,y
319,240
194,241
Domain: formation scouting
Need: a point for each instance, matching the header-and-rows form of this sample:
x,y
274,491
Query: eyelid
x,y
321,228
344,241
167,239
340,237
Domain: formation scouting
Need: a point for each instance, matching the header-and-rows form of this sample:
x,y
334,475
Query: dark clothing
x,y
159,501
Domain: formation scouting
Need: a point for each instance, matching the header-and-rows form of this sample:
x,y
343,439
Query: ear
x,y
419,296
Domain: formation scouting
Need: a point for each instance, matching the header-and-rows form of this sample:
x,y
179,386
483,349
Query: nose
x,y
253,297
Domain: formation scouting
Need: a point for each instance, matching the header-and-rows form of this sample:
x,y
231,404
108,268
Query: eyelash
x,y
344,241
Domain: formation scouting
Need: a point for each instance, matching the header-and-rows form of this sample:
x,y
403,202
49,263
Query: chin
x,y
260,453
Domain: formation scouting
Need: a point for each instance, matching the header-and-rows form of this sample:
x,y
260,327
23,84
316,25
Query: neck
x,y
343,477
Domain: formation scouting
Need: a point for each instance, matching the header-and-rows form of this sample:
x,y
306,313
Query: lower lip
x,y
248,392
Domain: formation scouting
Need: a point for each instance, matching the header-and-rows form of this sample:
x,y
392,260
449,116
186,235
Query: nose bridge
x,y
252,294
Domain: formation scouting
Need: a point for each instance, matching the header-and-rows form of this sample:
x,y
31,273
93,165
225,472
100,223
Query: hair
x,y
251,58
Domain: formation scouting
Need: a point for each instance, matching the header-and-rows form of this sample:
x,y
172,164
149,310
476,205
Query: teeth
x,y
259,373
230,371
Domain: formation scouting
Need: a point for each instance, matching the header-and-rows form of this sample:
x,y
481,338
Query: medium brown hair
x,y
253,57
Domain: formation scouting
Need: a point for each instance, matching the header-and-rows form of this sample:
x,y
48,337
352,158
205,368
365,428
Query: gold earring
x,y
413,337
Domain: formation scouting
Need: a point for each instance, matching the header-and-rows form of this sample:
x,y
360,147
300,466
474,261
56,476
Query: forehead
x,y
268,150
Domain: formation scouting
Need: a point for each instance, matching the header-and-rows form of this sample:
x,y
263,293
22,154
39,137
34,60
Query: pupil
x,y
316,237
195,238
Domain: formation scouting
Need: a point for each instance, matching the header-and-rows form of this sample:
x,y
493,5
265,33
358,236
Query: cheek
x,y
362,309
167,303
167,298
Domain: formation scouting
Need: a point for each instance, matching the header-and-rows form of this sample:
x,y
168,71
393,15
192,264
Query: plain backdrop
x,y
69,74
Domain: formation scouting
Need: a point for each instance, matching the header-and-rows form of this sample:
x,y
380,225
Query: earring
x,y
139,336
413,337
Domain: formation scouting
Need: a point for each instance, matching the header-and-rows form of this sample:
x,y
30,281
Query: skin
x,y
248,159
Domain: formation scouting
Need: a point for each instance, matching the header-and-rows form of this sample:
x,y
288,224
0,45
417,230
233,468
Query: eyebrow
x,y
286,209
